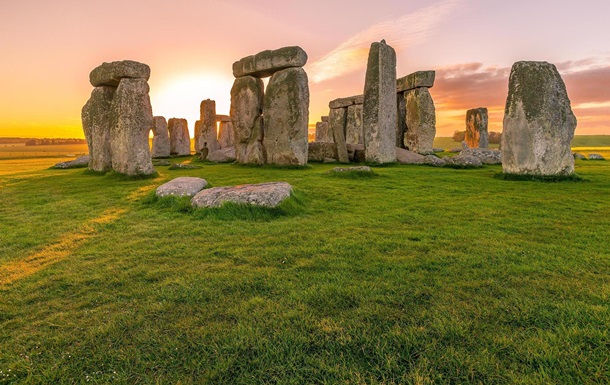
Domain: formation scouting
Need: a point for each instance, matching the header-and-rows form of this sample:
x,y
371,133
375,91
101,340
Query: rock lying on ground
x,y
438,149
579,156
319,151
181,187
80,162
263,194
486,156
224,155
467,161
183,166
161,162
352,169
408,157
434,160
596,157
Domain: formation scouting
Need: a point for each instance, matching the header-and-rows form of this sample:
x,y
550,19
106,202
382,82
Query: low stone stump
x,y
433,160
182,187
80,162
408,157
358,169
486,156
320,151
262,194
579,156
224,155
183,166
465,161
596,157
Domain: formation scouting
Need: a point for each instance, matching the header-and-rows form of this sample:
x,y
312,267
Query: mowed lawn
x,y
419,275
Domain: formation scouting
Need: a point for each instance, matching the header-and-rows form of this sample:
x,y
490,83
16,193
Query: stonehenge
x,y
161,141
419,117
538,122
225,131
179,137
270,126
118,117
206,135
476,128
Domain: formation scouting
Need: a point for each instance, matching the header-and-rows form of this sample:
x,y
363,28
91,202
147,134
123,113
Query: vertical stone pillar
x,y
476,128
421,121
246,114
179,138
160,142
96,118
209,133
337,120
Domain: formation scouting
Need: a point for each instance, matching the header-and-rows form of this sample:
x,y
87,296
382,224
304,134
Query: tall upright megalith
x,y
118,117
160,142
419,127
179,138
208,136
538,122
476,128
379,111
286,112
225,131
247,117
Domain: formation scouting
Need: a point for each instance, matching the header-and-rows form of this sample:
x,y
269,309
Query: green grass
x,y
419,275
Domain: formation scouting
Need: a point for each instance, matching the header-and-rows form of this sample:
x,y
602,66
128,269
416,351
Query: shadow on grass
x,y
539,178
354,174
117,176
292,206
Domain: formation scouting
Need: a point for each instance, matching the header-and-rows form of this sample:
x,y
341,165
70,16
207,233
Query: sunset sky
x,y
49,47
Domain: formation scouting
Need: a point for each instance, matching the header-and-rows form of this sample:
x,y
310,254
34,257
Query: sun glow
x,y
180,97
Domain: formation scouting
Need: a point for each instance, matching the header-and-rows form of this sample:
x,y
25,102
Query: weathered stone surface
x,y
225,134
579,156
324,119
110,74
80,162
379,112
179,139
434,160
346,102
132,120
355,153
408,157
337,121
160,143
208,136
263,194
596,157
246,113
436,149
421,121
266,63
286,112
319,151
416,80
538,122
486,156
223,118
352,169
401,119
182,187
354,133
323,133
183,166
467,161
161,162
476,128
224,155
97,121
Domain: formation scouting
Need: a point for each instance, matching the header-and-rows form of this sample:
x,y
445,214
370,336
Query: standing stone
x,y
379,110
286,112
225,134
401,119
179,138
323,134
246,114
131,122
337,121
160,142
198,138
476,128
96,118
538,122
209,133
353,126
421,121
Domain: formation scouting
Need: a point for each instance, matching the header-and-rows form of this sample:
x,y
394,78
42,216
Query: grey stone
x,y
408,157
186,186
208,136
486,156
456,149
246,113
266,63
356,153
97,121
346,102
330,160
476,128
467,161
286,112
179,139
579,156
596,157
263,194
416,80
421,121
80,162
465,145
225,134
160,143
319,151
353,128
324,119
434,160
352,169
379,112
323,134
183,166
161,162
110,74
132,120
337,121
438,150
538,122
224,155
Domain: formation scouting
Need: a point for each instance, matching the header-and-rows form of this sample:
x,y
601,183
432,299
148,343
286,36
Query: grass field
x,y
418,275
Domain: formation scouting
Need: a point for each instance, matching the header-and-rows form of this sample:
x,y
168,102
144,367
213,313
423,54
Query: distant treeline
x,y
494,137
51,142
